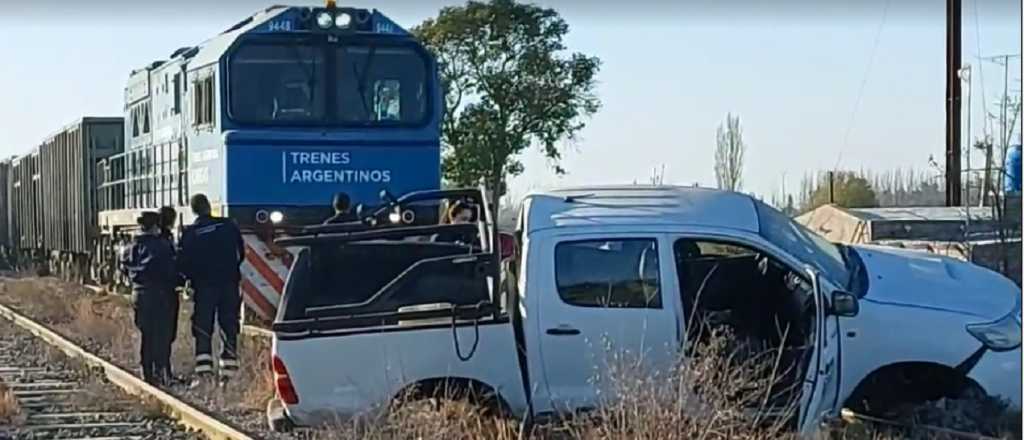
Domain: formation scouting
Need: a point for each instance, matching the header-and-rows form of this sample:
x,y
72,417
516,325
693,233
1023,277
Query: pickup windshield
x,y
800,242
327,84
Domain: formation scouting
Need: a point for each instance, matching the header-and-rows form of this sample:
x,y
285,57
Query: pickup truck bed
x,y
352,385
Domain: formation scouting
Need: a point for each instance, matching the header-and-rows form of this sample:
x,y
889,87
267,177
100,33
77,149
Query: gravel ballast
x,y
60,398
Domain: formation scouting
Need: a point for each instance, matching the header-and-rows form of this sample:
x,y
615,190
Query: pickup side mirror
x,y
508,245
844,304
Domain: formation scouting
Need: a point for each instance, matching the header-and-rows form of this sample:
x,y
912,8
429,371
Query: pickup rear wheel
x,y
441,394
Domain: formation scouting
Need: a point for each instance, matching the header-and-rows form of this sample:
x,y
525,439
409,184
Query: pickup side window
x,y
620,273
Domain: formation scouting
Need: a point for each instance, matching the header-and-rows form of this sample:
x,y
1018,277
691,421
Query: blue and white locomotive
x,y
269,119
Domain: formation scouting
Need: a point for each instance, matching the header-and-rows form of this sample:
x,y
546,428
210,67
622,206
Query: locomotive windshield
x,y
286,83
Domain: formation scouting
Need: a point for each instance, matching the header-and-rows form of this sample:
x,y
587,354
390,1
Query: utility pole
x,y
953,42
965,75
831,187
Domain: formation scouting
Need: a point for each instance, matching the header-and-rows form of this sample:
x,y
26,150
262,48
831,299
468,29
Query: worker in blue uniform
x,y
1012,182
149,263
210,254
168,218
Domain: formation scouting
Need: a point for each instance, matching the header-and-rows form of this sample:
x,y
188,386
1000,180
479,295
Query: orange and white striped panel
x,y
263,277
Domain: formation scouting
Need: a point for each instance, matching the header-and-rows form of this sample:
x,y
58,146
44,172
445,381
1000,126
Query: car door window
x,y
605,311
766,307
609,273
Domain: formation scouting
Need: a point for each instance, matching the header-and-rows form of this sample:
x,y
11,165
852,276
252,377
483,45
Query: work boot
x,y
168,378
201,379
228,369
150,376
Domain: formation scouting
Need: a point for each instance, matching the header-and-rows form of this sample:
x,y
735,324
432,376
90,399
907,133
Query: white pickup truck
x,y
369,313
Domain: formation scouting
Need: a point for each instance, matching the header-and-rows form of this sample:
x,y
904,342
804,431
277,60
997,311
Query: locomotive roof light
x,y
324,20
343,20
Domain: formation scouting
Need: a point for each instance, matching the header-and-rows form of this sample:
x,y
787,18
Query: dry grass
x,y
10,412
152,408
715,394
719,393
255,373
420,420
35,298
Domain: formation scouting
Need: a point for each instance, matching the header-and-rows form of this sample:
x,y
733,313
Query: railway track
x,y
66,392
56,398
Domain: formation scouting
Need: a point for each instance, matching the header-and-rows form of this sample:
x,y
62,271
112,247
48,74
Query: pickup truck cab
x,y
371,314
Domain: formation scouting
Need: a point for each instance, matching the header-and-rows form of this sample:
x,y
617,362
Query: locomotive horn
x,y
362,16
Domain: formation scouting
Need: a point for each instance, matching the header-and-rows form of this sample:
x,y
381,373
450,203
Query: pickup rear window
x,y
341,279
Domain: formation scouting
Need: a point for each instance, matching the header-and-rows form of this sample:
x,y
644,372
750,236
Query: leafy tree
x,y
508,85
850,191
729,154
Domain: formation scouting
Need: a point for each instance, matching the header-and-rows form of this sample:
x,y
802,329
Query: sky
x,y
851,84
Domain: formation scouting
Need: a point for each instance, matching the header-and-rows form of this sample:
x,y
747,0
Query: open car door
x,y
821,384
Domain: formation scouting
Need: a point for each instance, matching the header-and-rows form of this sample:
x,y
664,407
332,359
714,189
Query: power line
x,y
863,83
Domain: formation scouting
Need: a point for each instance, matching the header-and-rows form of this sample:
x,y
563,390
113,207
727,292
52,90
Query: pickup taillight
x,y
283,384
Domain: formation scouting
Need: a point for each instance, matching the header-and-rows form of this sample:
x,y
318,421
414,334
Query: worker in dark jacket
x,y
342,210
149,263
168,217
210,254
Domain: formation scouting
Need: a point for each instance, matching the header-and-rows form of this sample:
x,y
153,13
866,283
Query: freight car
x,y
271,116
49,210
5,212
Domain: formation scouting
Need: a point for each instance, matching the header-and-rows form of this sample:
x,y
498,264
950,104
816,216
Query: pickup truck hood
x,y
918,279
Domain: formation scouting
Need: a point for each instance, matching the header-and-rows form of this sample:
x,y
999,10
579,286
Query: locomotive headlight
x,y
324,20
395,217
342,20
276,217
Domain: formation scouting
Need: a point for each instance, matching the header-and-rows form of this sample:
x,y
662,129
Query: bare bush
x,y
255,373
718,392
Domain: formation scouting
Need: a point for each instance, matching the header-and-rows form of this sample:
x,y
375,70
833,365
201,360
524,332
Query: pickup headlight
x,y
1000,335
